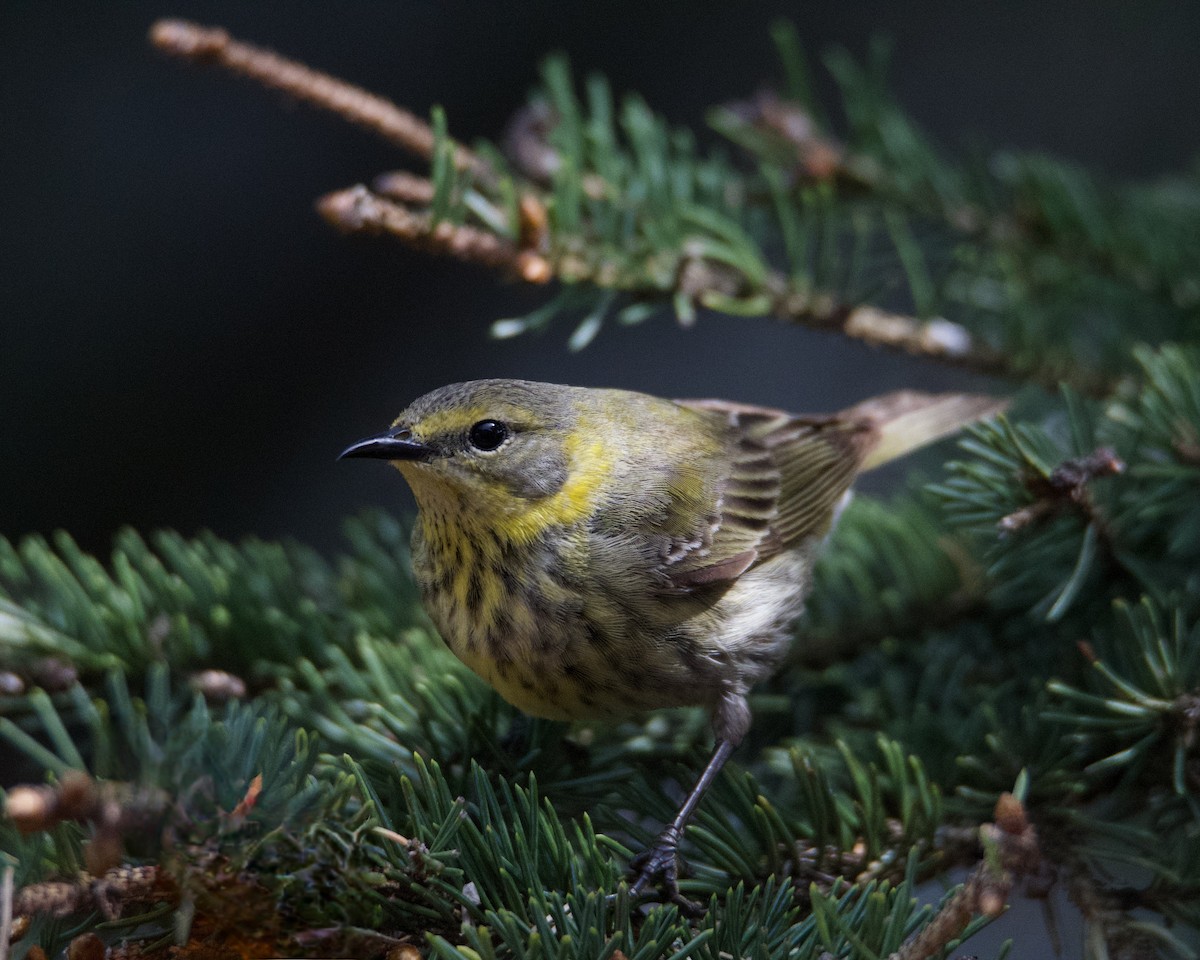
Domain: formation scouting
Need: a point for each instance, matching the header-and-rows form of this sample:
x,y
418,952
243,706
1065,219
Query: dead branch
x,y
201,44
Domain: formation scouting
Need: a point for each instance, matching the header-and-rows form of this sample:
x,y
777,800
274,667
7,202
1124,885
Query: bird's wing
x,y
785,478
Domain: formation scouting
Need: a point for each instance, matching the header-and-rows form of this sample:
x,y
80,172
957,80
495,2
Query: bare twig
x,y
201,44
358,210
938,338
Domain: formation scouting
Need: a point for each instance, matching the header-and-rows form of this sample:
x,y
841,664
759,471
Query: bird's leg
x,y
658,864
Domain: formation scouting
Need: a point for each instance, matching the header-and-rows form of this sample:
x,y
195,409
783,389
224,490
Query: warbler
x,y
596,553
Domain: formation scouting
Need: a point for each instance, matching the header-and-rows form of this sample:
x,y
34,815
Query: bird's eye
x,y
487,435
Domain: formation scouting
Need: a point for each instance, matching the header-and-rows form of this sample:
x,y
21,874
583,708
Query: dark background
x,y
184,343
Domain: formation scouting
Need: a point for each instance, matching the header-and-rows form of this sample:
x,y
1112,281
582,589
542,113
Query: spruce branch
x,y
587,201
701,265
843,816
1101,504
1140,708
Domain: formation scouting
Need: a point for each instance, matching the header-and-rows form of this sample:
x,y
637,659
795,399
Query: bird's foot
x,y
657,869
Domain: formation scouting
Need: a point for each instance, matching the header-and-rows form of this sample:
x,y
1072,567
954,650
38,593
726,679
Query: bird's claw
x,y
657,869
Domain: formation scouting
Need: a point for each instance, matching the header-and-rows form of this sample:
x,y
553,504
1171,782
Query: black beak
x,y
393,444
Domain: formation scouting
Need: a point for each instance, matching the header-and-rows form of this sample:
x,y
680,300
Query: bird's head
x,y
496,451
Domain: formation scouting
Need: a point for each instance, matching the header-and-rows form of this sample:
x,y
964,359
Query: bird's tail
x,y
906,420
